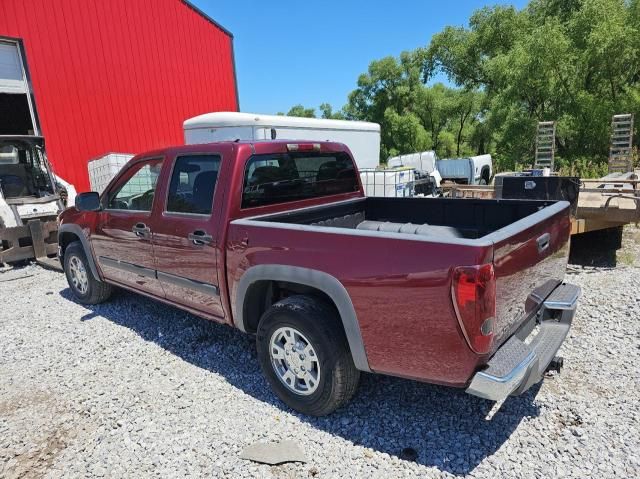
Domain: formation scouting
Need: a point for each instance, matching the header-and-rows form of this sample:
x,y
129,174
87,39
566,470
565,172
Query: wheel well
x,y
65,239
262,294
486,173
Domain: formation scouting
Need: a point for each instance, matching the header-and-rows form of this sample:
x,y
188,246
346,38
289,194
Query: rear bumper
x,y
516,366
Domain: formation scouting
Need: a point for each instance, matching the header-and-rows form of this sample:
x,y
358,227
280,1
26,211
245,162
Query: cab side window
x,y
193,183
137,189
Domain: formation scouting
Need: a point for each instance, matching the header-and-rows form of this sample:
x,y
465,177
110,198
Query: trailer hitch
x,y
556,364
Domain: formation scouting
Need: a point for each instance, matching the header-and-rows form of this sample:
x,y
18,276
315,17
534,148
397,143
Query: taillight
x,y
474,298
303,146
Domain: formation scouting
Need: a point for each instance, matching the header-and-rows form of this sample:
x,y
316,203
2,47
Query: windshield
x,y
23,170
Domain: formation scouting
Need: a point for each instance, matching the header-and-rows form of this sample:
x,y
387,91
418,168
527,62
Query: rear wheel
x,y
86,288
305,356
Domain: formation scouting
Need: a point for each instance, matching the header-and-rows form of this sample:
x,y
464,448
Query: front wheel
x,y
86,288
305,356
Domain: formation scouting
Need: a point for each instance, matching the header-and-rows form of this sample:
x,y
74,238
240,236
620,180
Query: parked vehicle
x,y
278,240
423,162
362,138
31,197
475,170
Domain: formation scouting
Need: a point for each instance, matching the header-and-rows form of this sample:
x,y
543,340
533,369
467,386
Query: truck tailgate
x,y
530,258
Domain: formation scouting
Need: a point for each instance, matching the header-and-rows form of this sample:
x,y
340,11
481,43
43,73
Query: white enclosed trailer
x,y
362,138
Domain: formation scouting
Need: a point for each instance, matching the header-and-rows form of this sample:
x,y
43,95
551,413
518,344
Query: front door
x,y
186,236
122,242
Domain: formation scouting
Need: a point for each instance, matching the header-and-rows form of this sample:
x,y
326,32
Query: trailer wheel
x,y
86,288
305,356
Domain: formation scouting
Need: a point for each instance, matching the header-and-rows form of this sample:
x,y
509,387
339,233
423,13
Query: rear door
x,y
530,259
186,234
122,238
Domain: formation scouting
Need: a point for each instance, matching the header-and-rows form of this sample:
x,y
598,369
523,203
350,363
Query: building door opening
x,y
15,117
17,112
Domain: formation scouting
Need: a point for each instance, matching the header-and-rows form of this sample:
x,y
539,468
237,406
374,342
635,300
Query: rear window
x,y
280,178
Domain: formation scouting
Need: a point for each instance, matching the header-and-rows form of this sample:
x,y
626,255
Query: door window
x,y
193,183
137,189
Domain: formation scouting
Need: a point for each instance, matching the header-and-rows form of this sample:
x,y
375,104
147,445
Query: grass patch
x,y
626,257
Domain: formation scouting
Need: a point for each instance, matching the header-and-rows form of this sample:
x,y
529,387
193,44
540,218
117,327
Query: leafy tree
x,y
573,61
301,111
329,114
413,116
576,62
326,112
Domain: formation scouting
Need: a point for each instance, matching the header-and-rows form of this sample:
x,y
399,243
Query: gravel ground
x,y
134,388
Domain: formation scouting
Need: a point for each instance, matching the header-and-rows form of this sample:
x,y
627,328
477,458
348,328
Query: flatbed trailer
x,y
608,202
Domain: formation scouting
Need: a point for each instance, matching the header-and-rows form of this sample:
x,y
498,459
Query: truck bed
x,y
395,257
437,218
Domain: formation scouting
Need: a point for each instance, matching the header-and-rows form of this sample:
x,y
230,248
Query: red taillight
x,y
474,298
303,146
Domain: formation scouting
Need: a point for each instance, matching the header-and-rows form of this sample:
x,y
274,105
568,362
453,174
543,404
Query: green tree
x,y
301,111
329,114
413,116
573,61
326,112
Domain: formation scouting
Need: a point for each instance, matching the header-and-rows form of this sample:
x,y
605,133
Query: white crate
x,y
396,182
104,168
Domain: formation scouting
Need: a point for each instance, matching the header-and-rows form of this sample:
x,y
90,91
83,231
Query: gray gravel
x,y
134,388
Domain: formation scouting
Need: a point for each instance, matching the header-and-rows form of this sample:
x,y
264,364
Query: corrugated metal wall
x,y
118,75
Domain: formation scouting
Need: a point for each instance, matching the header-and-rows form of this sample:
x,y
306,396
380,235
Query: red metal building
x,y
98,76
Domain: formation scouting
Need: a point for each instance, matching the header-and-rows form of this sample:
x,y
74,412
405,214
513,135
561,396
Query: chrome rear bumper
x,y
516,366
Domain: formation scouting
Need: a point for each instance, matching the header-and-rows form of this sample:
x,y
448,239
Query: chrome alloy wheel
x,y
78,275
294,360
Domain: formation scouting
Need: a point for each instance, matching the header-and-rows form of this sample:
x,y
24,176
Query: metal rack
x,y
620,150
545,145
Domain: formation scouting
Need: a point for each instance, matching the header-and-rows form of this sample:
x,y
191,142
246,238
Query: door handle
x,y
543,242
141,230
200,237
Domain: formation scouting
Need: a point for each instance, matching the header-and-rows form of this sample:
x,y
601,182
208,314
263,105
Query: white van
x,y
362,138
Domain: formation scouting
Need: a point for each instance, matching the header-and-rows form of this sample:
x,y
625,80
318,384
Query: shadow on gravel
x,y
444,425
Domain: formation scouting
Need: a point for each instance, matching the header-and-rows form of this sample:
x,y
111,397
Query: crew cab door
x,y
185,236
122,239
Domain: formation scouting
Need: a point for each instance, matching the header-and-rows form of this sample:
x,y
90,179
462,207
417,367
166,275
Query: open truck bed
x,y
397,256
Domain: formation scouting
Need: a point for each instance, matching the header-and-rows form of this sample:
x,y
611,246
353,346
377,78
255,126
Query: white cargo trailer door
x,y
12,77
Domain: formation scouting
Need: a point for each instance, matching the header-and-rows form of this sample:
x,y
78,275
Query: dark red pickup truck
x,y
278,240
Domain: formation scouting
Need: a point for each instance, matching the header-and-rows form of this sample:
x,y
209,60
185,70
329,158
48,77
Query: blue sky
x,y
310,52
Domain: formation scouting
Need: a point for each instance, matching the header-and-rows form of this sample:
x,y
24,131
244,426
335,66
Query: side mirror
x,y
88,201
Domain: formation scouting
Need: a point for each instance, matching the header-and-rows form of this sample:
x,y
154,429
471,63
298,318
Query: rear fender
x,y
313,278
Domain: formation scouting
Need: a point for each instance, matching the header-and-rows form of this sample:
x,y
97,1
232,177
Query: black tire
x,y
319,323
97,291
